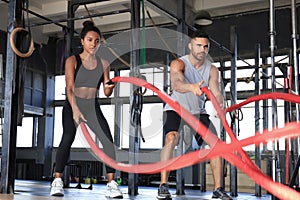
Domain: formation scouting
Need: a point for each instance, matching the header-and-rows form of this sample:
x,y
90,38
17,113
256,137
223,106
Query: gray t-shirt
x,y
194,104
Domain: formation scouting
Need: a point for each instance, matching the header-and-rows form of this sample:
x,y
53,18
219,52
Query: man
x,y
188,74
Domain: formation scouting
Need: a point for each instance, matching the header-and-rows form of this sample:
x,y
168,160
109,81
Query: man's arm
x,y
177,79
213,84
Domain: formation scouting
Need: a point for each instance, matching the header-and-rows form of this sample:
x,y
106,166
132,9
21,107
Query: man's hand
x,y
196,88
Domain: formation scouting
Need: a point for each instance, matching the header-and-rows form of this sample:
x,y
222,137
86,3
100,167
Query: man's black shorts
x,y
173,122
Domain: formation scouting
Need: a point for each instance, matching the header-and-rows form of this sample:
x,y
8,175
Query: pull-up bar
x,y
82,17
40,16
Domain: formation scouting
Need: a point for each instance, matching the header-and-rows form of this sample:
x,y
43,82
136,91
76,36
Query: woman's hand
x,y
108,87
78,116
109,84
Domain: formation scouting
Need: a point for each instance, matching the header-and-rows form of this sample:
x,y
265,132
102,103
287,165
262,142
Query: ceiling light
x,y
203,18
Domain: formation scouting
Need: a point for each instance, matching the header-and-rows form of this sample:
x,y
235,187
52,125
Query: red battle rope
x,y
218,147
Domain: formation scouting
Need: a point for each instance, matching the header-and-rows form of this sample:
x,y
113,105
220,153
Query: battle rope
x,y
223,149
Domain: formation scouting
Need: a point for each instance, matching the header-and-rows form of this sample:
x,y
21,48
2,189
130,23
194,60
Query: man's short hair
x,y
199,34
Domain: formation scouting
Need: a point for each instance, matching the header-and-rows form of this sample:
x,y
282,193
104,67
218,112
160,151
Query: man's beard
x,y
199,56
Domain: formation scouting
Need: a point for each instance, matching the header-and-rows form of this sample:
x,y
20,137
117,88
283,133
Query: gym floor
x,y
39,190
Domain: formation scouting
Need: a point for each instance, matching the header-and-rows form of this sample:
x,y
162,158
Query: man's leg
x,y
172,123
216,168
167,153
216,165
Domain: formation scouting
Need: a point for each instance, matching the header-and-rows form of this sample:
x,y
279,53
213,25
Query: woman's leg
x,y
106,139
98,124
69,131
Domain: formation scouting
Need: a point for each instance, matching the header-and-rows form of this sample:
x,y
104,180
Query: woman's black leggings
x,y
90,108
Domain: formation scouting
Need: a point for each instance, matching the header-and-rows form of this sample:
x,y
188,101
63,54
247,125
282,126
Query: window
x,y
151,123
25,133
60,85
246,127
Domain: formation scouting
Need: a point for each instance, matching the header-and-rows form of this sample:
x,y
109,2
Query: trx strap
x,y
24,41
159,34
136,108
137,102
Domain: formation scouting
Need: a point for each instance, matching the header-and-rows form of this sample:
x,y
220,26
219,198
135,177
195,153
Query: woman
x,y
84,73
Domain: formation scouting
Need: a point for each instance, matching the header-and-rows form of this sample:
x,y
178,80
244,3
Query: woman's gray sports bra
x,y
88,78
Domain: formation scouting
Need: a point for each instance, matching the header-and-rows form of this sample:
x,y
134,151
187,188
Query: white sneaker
x,y
57,187
113,190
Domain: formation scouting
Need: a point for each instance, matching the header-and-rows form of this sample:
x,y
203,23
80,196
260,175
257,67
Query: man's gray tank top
x,y
194,104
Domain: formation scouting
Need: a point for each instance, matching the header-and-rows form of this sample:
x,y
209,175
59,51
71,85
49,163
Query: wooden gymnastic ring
x,y
14,48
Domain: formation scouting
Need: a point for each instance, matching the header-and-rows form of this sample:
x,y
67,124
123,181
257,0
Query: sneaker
x,y
113,190
57,187
163,192
219,193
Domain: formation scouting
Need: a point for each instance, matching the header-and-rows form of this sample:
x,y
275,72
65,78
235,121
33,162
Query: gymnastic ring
x,y
14,48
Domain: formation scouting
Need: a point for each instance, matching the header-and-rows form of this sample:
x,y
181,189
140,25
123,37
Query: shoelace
x,y
56,183
164,189
113,186
222,192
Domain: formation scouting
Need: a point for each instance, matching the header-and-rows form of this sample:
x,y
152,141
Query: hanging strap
x,y
19,29
137,107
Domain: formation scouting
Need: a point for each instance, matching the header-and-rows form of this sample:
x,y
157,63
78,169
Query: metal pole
x,y
10,61
181,51
134,141
295,38
223,132
40,16
257,115
118,112
10,108
233,44
166,80
70,24
265,102
69,40
80,17
275,158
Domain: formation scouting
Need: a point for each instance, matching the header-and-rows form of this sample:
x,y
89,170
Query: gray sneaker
x,y
219,193
163,192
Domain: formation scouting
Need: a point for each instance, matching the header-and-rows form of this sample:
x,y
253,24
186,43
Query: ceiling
x,y
114,15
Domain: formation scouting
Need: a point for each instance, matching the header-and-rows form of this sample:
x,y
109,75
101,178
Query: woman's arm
x,y
70,65
107,88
